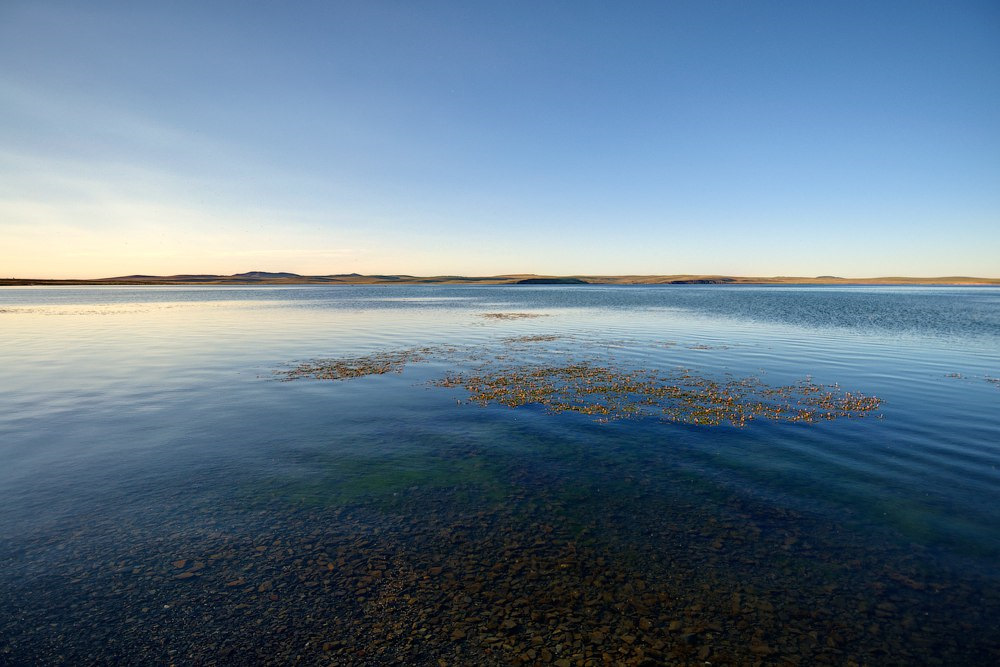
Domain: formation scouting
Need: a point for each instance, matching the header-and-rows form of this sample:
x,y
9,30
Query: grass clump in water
x,y
511,316
606,392
346,368
611,394
537,338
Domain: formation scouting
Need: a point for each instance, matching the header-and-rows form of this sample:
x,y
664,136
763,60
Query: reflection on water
x,y
168,499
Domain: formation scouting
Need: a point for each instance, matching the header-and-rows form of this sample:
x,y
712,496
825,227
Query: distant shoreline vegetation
x,y
285,278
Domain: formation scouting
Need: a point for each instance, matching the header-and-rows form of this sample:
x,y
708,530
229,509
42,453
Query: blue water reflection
x,y
123,404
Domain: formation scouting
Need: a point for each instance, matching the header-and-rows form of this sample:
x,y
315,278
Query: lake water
x,y
175,488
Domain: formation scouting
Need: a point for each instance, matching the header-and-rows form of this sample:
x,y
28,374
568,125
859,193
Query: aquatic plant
x,y
607,392
537,338
682,396
511,316
345,368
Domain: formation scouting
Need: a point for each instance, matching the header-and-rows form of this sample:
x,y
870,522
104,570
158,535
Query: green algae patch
x,y
611,394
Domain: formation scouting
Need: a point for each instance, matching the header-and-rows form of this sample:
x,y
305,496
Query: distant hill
x,y
265,275
551,281
286,278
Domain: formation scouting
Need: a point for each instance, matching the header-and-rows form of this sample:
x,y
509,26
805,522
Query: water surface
x,y
166,498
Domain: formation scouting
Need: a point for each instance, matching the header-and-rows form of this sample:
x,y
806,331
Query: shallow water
x,y
167,498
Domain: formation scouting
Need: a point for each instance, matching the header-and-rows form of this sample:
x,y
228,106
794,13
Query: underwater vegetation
x,y
345,368
512,316
536,338
607,392
342,369
681,396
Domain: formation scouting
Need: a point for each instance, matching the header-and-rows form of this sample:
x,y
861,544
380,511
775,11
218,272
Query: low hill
x,y
285,278
551,281
265,275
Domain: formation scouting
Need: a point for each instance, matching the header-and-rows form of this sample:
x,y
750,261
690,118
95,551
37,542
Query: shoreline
x,y
261,278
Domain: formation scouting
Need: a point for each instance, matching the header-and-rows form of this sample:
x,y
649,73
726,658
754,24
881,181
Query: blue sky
x,y
743,138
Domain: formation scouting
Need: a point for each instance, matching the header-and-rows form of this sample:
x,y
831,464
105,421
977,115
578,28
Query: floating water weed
x,y
606,392
682,396
346,368
511,316
995,381
540,338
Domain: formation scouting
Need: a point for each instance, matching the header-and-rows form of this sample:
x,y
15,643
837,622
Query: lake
x,y
569,475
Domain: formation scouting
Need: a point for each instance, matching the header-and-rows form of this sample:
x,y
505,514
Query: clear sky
x,y
465,137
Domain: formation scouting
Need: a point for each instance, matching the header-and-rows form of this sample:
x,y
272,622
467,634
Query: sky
x,y
480,138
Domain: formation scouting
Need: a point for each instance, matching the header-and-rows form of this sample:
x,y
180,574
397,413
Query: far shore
x,y
270,278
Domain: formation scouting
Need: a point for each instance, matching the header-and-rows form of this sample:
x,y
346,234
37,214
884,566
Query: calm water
x,y
164,497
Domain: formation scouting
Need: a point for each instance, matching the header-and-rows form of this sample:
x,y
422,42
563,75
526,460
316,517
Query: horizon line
x,y
286,277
